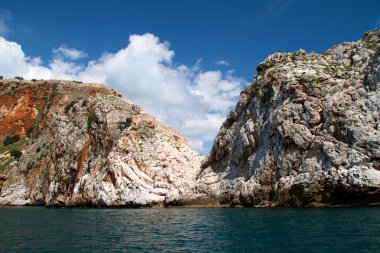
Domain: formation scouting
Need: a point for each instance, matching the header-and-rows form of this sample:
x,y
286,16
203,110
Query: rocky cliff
x,y
306,132
86,145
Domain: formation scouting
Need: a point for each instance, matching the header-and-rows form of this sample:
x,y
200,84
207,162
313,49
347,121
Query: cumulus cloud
x,y
222,62
216,90
191,100
13,62
69,53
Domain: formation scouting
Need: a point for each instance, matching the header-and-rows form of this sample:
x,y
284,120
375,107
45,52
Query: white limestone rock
x,y
306,132
105,151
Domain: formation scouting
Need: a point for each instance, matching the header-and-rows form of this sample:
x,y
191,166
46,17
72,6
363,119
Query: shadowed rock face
x,y
306,132
86,145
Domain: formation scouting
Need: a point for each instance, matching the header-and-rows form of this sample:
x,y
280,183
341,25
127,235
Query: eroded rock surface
x,y
306,132
86,145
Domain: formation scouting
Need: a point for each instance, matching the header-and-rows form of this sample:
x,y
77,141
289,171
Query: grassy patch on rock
x,y
6,158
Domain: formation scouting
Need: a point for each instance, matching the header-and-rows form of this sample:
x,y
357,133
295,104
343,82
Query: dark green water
x,y
36,229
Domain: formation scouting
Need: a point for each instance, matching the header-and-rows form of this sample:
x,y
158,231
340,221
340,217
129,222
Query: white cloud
x,y
13,62
204,126
197,144
216,90
69,53
193,101
222,62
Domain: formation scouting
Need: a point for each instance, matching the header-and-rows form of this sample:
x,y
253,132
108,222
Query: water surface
x,y
37,229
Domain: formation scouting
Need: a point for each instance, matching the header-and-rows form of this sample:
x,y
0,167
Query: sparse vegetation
x,y
7,159
261,72
29,131
317,79
15,153
11,139
261,69
16,145
19,78
33,80
29,166
330,69
5,163
91,118
372,44
109,144
128,121
293,58
348,67
68,107
306,59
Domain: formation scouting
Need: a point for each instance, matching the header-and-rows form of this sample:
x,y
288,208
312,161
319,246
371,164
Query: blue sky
x,y
199,54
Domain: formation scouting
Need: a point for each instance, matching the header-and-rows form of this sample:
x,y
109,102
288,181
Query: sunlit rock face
x,y
87,145
306,132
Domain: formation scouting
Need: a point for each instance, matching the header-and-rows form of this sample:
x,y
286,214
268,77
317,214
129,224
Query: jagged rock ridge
x,y
86,145
306,132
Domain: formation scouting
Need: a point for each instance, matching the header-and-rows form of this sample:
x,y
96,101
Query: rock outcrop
x,y
86,145
306,132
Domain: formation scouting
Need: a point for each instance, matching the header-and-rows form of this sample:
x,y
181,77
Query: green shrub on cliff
x,y
128,121
29,131
16,153
68,107
11,139
29,166
91,118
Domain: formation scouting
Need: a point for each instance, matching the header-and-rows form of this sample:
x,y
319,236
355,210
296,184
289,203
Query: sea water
x,y
38,229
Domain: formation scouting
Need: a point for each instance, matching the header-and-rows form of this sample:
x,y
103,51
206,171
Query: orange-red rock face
x,y
19,111
21,102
